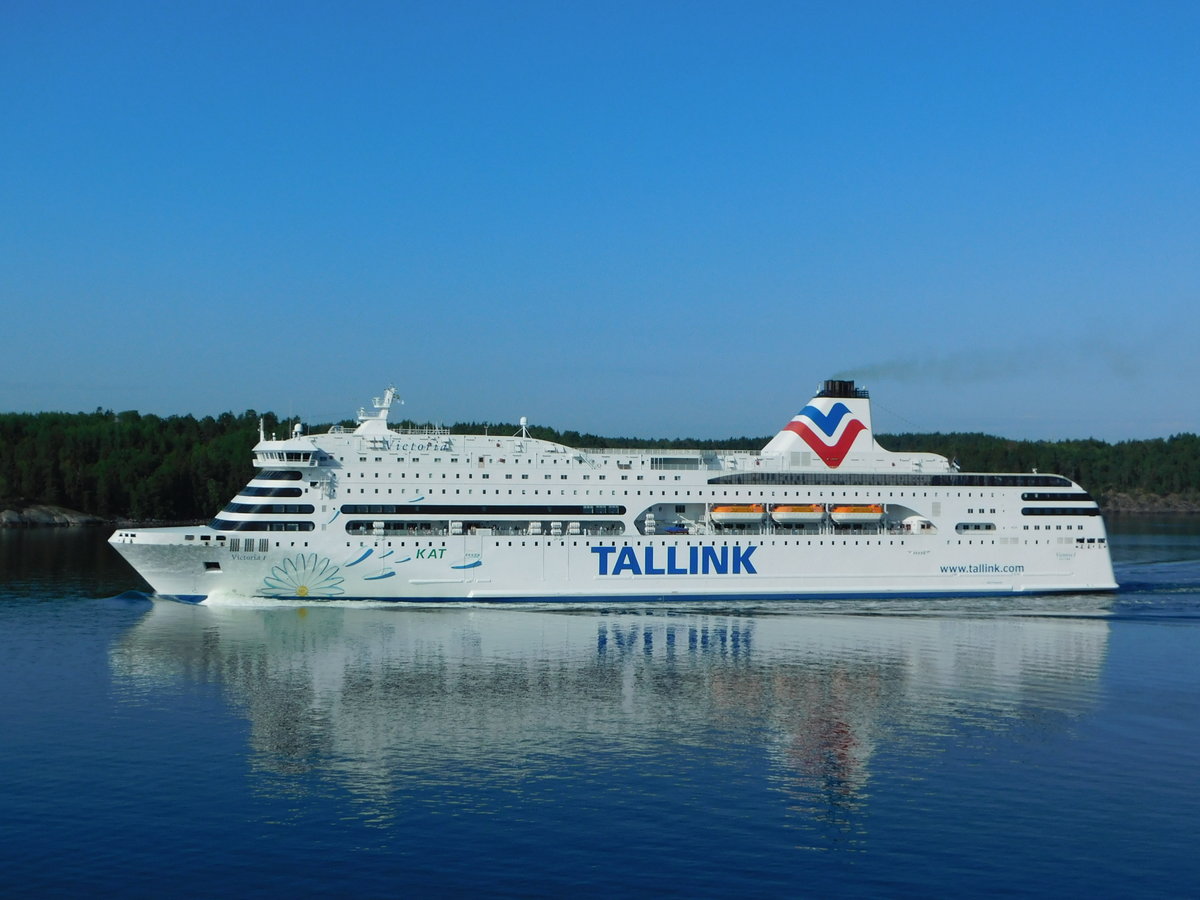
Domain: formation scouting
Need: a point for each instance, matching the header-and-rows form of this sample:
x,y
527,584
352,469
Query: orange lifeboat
x,y
800,514
857,514
746,514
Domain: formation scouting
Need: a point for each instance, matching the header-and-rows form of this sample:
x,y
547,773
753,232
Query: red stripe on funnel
x,y
833,454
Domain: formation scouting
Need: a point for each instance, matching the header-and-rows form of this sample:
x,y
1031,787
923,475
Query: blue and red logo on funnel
x,y
820,434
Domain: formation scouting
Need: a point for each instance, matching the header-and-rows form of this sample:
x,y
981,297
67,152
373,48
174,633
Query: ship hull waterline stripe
x,y
487,597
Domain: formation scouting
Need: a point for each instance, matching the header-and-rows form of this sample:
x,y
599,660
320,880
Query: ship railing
x,y
709,460
423,430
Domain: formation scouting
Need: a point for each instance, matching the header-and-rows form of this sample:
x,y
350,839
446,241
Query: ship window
x,y
1060,511
245,525
252,491
212,567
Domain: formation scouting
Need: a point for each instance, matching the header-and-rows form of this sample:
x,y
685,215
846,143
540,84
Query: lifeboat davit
x,y
738,515
857,514
798,515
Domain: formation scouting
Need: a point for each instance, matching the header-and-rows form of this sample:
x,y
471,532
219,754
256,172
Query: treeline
x,y
1162,466
179,468
118,465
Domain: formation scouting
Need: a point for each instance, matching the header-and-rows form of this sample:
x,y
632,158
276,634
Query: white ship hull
x,y
471,568
376,514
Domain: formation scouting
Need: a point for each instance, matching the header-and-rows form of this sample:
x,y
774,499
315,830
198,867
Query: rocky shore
x,y
23,514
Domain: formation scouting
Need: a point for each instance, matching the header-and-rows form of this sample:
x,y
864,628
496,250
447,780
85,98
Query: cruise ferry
x,y
380,513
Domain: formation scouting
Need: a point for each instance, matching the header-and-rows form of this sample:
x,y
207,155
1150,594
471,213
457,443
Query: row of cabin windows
x,y
762,493
454,459
819,542
734,495
827,479
535,542
262,545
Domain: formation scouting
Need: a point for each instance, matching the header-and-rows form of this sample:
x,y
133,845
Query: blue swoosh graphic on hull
x,y
335,515
361,558
386,555
471,565
827,422
377,577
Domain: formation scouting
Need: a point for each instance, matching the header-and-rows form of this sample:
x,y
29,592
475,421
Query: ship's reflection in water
x,y
468,704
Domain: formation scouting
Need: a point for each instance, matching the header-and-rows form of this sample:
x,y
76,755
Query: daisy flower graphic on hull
x,y
305,575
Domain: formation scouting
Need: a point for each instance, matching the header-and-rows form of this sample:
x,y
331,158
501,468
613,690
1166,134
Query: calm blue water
x,y
951,748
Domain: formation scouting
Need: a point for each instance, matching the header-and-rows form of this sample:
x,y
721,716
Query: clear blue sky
x,y
649,218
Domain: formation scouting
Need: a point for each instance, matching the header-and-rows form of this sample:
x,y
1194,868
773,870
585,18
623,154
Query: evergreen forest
x,y
179,468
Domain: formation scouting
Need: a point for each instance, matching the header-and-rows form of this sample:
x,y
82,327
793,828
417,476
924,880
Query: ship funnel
x,y
831,427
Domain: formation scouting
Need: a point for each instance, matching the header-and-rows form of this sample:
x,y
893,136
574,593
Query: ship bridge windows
x,y
278,475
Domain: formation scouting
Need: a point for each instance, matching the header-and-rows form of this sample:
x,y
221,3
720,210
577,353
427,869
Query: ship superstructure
x,y
822,510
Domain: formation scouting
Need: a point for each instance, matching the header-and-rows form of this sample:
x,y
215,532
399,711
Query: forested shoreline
x,y
131,467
